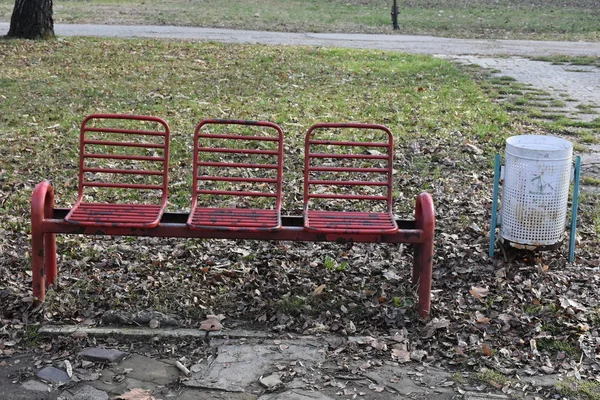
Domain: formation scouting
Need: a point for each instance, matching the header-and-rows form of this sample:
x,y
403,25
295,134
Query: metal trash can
x,y
535,191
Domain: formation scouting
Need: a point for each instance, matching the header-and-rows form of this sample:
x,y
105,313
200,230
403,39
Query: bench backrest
x,y
238,164
348,167
124,158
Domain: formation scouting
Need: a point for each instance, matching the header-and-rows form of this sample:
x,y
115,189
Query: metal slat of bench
x,y
102,214
352,184
226,152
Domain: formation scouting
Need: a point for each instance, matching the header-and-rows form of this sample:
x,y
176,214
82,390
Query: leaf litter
x,y
520,313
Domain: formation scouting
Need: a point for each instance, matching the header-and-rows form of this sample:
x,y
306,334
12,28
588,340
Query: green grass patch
x,y
554,346
513,19
590,180
420,98
570,60
577,389
492,378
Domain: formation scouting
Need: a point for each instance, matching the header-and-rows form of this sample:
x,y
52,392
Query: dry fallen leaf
x,y
319,290
137,394
480,318
211,324
400,353
487,350
479,292
69,368
566,303
431,327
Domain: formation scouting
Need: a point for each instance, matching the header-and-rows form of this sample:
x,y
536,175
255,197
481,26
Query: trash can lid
x,y
539,147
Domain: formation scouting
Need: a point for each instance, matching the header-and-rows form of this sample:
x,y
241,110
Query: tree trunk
x,y
395,15
32,19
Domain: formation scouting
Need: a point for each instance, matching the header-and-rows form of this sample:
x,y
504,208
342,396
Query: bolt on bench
x,y
237,190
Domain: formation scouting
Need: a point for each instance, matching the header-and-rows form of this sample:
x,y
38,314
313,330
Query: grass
x,y
554,346
590,180
513,19
570,60
419,98
492,378
582,390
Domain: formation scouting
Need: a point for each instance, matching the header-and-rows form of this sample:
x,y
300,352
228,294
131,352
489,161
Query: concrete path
x,y
404,43
242,365
575,86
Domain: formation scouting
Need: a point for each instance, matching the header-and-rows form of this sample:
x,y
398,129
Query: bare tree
x,y
32,19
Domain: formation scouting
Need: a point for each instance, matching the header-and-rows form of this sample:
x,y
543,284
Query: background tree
x,y
32,19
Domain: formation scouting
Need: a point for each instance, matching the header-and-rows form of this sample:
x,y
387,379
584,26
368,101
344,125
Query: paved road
x,y
404,43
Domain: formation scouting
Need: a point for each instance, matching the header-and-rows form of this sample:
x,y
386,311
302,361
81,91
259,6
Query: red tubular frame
x,y
249,219
356,223
46,221
128,215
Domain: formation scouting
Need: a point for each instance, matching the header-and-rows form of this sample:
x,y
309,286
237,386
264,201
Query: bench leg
x,y
50,256
37,266
43,245
423,258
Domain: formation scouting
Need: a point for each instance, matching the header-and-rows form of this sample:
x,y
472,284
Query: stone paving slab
x,y
295,395
580,83
238,366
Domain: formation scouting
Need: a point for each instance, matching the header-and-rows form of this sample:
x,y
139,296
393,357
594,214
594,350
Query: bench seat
x,y
235,218
126,215
350,222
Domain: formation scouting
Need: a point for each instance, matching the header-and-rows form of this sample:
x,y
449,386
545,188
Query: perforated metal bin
x,y
535,191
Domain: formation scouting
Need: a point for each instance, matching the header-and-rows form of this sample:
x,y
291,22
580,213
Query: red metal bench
x,y
227,221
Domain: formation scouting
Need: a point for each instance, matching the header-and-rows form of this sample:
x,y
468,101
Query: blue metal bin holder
x,y
498,169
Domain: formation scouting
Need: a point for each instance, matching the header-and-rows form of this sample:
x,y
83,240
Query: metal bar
x,y
235,179
237,151
349,156
347,143
235,193
124,131
574,209
345,169
237,137
347,183
493,224
235,165
122,185
180,229
124,157
425,220
346,197
123,171
124,144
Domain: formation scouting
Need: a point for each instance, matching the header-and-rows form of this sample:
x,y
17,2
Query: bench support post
x,y
43,245
423,252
